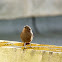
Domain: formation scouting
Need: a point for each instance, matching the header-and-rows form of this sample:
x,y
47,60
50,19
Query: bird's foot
x,y
25,48
30,47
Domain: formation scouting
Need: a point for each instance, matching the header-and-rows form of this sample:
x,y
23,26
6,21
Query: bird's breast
x,y
26,36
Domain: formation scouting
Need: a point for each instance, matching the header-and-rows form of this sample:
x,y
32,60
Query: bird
x,y
26,35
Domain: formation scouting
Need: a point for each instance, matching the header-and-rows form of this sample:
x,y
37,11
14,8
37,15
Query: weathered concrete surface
x,y
11,51
26,8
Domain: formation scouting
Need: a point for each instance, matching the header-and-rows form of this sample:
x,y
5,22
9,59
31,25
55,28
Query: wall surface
x,y
49,28
26,8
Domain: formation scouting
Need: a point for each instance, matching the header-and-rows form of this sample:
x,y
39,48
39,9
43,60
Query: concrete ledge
x,y
12,51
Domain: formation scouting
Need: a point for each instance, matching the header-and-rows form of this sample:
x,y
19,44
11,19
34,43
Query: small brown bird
x,y
26,35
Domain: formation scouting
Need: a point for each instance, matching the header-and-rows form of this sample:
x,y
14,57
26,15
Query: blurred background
x,y
43,16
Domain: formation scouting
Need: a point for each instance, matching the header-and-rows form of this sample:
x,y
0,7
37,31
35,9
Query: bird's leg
x,y
30,45
25,45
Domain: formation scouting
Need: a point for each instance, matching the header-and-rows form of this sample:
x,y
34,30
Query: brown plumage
x,y
26,35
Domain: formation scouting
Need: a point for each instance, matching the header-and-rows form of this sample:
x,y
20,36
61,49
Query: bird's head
x,y
27,28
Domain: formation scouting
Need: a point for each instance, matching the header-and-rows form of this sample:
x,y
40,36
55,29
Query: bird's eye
x,y
29,29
